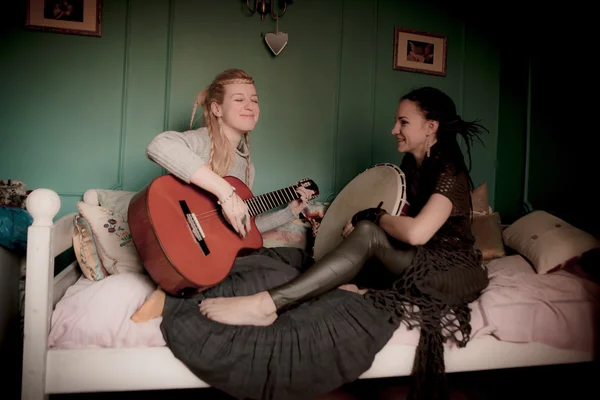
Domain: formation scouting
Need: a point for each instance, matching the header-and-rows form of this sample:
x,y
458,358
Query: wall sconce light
x,y
264,7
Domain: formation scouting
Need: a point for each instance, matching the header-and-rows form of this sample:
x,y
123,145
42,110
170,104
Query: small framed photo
x,y
75,17
417,51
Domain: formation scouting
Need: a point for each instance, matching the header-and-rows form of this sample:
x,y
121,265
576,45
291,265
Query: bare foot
x,y
152,307
353,288
257,309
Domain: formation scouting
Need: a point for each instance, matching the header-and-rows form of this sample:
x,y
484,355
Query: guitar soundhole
x,y
187,292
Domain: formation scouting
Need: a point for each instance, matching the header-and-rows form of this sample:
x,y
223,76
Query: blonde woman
x,y
203,156
306,351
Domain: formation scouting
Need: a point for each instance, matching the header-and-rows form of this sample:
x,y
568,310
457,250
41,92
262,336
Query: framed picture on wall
x,y
75,17
418,51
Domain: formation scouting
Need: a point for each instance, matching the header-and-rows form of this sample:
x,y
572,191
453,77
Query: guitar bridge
x,y
195,227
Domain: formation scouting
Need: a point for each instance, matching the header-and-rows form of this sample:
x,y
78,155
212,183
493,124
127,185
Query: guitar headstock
x,y
309,184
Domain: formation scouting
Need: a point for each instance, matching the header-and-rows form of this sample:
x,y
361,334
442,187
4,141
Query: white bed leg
x,y
43,205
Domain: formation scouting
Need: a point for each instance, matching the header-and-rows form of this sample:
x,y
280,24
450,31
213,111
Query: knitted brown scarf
x,y
435,299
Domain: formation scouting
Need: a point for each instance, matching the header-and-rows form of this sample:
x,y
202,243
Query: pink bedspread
x,y
558,309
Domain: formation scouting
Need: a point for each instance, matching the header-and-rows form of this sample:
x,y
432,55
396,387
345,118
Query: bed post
x,y
43,205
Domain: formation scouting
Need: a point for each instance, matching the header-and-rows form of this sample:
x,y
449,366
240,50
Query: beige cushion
x,y
548,242
488,236
113,239
479,198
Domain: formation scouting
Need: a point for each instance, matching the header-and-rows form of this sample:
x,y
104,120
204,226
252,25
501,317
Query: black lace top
x,y
444,173
445,275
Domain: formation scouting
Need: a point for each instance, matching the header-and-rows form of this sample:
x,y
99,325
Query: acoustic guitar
x,y
183,238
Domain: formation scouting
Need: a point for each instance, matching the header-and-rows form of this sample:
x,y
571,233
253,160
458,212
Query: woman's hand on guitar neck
x,y
300,204
235,212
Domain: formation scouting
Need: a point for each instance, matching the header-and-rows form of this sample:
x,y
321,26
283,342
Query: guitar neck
x,y
268,201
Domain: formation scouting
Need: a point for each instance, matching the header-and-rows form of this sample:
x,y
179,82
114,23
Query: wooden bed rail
x,y
43,205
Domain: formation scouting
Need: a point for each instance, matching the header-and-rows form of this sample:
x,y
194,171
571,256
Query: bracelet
x,y
228,197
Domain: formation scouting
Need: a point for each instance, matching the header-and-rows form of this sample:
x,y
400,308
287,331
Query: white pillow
x,y
113,239
547,241
98,314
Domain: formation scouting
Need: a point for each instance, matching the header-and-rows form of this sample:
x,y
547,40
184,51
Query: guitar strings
x,y
208,215
215,212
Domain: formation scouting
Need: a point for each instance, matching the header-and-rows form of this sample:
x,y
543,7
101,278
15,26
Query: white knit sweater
x,y
182,153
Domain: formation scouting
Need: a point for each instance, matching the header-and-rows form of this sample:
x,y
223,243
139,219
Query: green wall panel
x,y
148,65
298,89
62,106
79,111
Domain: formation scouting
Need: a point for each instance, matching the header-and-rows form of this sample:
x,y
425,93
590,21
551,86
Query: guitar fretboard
x,y
268,201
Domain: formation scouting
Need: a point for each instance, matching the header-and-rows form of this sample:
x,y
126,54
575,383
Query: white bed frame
x,y
50,371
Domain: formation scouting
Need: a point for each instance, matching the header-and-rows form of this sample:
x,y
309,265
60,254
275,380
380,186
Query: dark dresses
x,y
309,350
331,340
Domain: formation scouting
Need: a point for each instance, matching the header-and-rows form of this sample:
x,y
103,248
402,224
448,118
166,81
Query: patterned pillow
x,y
86,250
116,200
296,233
113,239
292,234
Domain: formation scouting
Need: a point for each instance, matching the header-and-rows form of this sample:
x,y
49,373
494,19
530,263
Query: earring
x,y
428,148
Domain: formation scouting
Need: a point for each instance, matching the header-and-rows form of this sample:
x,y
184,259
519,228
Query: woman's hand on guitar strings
x,y
235,212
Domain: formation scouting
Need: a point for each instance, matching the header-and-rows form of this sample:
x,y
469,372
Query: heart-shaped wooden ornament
x,y
276,41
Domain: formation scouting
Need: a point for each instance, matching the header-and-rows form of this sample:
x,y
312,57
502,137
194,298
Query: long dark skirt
x,y
309,350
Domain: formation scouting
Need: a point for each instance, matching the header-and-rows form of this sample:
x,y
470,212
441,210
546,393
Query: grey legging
x,y
343,264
